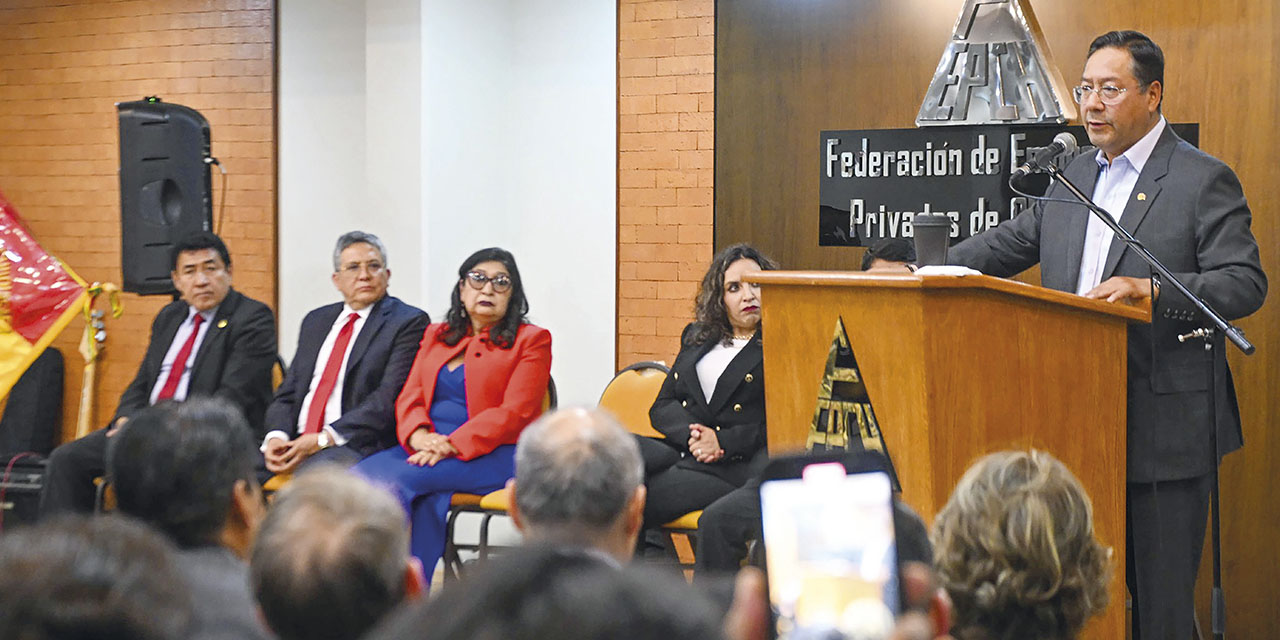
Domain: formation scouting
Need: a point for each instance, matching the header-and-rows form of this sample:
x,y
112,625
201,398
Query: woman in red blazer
x,y
478,379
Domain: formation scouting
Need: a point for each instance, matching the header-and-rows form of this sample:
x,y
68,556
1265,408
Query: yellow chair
x,y
628,397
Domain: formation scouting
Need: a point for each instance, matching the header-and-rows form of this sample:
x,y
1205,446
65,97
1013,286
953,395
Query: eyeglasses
x,y
353,269
1108,94
477,280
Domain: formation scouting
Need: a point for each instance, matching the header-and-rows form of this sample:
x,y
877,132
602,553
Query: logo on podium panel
x,y
996,69
843,419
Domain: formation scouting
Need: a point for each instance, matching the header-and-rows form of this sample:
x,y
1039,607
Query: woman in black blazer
x,y
711,406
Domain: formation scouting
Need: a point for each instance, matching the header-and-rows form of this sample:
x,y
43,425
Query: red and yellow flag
x,y
39,295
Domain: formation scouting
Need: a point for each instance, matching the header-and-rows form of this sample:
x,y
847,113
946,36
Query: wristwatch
x,y
324,441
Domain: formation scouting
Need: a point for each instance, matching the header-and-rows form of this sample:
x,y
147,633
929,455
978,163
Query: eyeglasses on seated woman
x,y
478,380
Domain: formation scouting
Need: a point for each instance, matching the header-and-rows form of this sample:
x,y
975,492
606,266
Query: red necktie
x,y
329,379
180,362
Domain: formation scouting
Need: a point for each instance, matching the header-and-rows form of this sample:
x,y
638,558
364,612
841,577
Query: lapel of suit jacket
x,y
215,337
691,381
746,360
175,314
1148,187
372,324
1086,179
305,365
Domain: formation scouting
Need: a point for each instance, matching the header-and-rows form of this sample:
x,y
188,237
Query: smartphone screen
x,y
830,553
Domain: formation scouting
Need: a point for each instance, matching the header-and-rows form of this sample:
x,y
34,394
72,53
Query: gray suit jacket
x,y
1192,215
223,603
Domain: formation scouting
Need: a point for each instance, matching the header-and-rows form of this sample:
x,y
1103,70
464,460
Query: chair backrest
x,y
32,419
631,393
278,372
551,399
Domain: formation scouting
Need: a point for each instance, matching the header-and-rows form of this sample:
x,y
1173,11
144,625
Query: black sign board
x,y
873,182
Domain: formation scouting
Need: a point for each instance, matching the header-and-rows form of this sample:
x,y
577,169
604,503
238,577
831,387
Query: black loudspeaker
x,y
165,188
21,481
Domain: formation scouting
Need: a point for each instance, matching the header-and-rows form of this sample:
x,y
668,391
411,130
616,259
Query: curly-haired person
x,y
1015,549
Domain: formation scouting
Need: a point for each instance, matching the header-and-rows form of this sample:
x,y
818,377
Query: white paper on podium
x,y
947,270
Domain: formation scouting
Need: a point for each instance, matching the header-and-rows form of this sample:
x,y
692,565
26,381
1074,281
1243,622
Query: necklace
x,y
740,337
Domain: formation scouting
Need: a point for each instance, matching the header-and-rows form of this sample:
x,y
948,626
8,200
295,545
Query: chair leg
x,y
452,560
484,536
100,495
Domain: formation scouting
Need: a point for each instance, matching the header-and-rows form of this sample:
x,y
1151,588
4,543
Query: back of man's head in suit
x,y
90,578
566,594
188,470
332,557
579,480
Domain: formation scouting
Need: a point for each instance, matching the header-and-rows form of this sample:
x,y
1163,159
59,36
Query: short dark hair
x,y
91,578
198,241
709,312
175,466
1148,59
504,333
569,594
891,250
330,557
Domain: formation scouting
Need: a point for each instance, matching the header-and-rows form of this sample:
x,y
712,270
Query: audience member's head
x,y
567,594
1015,549
360,270
579,481
889,254
332,557
82,578
188,470
201,270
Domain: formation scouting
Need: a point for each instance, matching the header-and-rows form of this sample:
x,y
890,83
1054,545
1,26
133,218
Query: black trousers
x,y
724,530
68,481
677,491
1166,530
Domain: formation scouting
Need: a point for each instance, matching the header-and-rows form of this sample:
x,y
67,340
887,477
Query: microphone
x,y
1038,158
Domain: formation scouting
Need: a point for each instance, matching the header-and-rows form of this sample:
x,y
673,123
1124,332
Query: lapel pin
x,y
1141,197
222,324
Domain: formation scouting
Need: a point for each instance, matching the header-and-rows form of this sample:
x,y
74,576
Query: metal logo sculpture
x,y
997,69
843,419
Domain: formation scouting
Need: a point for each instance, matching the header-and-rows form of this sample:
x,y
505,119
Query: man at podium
x,y
1189,209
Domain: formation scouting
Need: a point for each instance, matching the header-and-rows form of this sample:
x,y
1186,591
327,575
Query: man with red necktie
x,y
213,341
337,402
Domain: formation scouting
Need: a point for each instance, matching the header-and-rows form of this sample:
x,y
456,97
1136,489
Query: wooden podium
x,y
957,367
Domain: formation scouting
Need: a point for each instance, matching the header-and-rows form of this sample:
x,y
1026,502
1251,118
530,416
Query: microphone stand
x,y
1219,327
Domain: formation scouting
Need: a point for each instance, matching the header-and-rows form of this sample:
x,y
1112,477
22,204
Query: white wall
x,y
446,126
322,189
520,118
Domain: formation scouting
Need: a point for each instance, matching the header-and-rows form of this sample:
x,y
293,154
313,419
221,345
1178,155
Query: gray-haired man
x,y
337,402
579,481
332,557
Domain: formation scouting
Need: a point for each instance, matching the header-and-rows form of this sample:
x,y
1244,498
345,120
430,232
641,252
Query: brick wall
x,y
666,61
62,69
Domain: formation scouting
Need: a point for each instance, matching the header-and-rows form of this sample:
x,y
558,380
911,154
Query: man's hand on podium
x,y
1121,289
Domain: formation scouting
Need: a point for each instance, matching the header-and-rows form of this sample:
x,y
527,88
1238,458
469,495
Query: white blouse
x,y
711,365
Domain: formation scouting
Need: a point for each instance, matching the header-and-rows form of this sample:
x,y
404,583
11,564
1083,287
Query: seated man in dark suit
x,y
337,402
212,342
187,469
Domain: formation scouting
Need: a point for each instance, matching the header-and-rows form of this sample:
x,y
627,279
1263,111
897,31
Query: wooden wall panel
x,y
786,70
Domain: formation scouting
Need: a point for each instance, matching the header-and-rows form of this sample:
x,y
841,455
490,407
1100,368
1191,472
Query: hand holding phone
x,y
830,549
